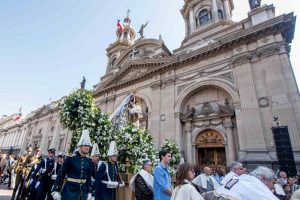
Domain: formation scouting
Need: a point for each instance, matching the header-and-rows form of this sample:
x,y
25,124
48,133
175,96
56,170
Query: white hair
x,y
262,171
235,164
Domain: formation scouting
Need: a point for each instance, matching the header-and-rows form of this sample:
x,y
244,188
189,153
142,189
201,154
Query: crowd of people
x,y
79,176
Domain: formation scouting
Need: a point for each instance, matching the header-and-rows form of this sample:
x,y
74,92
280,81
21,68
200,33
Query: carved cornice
x,y
206,123
169,81
228,125
110,99
227,76
102,101
241,59
269,50
156,85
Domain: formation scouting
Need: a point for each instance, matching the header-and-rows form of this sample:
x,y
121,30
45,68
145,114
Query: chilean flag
x,y
18,117
120,25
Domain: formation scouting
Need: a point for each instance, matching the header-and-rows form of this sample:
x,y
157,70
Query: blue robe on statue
x,y
101,191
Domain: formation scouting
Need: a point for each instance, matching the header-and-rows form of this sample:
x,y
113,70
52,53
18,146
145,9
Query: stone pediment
x,y
131,73
132,70
142,49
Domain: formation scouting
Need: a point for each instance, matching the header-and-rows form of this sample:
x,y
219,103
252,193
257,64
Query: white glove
x,y
37,184
122,184
56,195
112,184
90,197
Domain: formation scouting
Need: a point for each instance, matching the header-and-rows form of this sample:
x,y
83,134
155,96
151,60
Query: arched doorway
x,y
211,150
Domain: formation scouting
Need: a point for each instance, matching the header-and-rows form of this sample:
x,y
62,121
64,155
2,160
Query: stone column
x,y
186,26
34,131
227,14
230,141
195,154
44,141
192,20
4,138
178,130
214,11
25,138
189,148
56,137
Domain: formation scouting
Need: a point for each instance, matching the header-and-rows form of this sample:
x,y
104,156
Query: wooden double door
x,y
213,157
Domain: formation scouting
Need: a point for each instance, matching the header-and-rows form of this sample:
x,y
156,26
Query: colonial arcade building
x,y
216,94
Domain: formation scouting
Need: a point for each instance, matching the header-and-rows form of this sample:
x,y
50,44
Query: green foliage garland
x,y
77,113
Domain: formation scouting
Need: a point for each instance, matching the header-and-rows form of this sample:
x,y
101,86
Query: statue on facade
x,y
141,31
254,4
129,111
135,110
82,84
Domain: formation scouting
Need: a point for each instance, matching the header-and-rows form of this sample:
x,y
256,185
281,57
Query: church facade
x,y
217,94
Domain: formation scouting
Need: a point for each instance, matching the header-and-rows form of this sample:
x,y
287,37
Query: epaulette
x,y
70,155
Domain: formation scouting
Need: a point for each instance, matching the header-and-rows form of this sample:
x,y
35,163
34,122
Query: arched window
x,y
125,35
113,61
203,17
220,13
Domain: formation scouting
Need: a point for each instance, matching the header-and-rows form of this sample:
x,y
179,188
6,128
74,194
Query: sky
x,y
47,46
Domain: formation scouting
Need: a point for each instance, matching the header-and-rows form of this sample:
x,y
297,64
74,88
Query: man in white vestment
x,y
296,195
283,178
142,182
205,182
256,185
236,169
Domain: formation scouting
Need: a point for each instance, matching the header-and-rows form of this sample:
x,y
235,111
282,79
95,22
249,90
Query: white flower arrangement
x,y
135,144
173,148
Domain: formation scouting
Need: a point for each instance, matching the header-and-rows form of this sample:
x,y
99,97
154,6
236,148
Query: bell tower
x,y
202,14
125,39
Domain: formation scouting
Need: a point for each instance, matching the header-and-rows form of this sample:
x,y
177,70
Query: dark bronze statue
x,y
254,4
141,31
82,84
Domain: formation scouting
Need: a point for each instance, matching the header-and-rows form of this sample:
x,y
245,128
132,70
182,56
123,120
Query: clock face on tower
x,y
263,101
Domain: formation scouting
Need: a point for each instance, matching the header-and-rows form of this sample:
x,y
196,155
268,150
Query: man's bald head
x,y
207,171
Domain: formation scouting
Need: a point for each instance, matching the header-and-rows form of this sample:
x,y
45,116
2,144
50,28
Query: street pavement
x,y
5,194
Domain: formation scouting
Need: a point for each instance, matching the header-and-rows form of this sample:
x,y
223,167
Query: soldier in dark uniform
x,y
44,170
77,169
54,172
95,155
108,177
